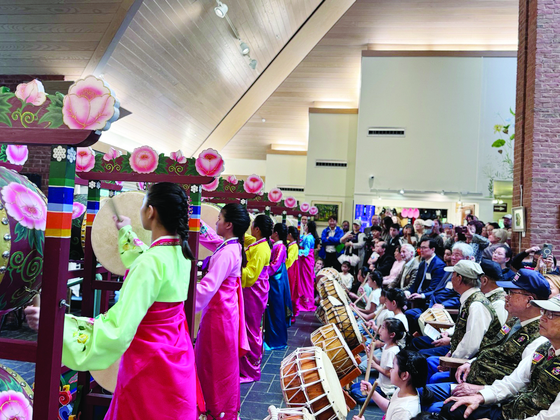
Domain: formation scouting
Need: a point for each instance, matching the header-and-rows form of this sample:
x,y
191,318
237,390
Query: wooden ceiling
x,y
57,37
330,74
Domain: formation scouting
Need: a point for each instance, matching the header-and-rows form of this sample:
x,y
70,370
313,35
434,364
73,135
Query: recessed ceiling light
x,y
221,10
244,48
401,191
263,120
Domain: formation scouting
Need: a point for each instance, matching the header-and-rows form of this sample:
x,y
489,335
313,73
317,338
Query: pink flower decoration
x,y
313,210
119,183
212,186
275,195
304,207
111,154
17,155
290,202
31,93
232,180
178,157
137,242
254,184
25,205
77,210
144,160
404,212
88,105
416,214
85,159
14,405
209,163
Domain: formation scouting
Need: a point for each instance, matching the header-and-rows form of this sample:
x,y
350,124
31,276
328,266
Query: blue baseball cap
x,y
530,281
491,269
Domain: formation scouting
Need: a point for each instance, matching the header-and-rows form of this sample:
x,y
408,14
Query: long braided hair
x,y
237,215
172,207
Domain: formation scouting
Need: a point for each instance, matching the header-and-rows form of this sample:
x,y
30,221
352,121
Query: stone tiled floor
x,y
256,397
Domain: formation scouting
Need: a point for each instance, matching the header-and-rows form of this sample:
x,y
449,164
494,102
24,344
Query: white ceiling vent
x,y
386,132
291,188
331,163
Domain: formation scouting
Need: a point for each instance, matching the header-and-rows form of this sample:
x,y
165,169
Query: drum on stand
x,y
327,273
288,414
324,306
343,318
104,233
331,341
309,380
331,287
438,317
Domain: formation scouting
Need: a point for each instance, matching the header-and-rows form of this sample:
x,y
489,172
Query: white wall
x,y
287,170
332,136
448,106
244,167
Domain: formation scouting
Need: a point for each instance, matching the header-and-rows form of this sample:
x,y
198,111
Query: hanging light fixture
x,y
253,64
221,9
244,48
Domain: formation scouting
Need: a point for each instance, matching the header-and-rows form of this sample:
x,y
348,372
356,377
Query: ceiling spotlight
x,y
401,191
221,9
253,64
244,48
263,120
442,192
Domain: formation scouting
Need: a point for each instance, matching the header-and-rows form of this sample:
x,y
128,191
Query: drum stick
x,y
368,399
114,207
369,362
361,297
363,319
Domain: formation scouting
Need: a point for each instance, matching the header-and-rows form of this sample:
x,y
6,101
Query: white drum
x,y
309,380
331,287
288,414
331,341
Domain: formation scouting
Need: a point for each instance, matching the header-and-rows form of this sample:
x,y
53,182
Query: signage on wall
x,y
500,208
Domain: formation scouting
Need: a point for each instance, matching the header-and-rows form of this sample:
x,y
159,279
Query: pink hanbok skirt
x,y
306,285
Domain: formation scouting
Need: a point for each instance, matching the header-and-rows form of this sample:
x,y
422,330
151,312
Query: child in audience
x,y
347,279
409,371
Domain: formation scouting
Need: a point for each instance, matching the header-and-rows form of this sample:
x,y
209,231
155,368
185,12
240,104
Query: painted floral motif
x,y
14,406
111,155
59,153
91,184
194,188
209,163
211,186
71,154
77,210
254,184
243,201
313,210
304,207
232,179
275,195
137,242
17,155
290,202
85,159
89,105
31,93
178,157
144,160
25,205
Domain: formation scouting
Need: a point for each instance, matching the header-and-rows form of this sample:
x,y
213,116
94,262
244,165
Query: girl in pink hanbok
x,y
147,326
255,295
292,264
306,285
222,337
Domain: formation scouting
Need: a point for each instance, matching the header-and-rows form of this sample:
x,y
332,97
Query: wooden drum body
x,y
331,341
331,287
324,306
23,217
343,318
438,318
288,414
309,380
327,273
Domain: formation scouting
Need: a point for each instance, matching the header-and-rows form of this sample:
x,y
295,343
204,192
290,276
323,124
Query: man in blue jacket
x,y
330,239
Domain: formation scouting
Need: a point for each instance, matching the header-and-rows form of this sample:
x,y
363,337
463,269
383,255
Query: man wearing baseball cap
x,y
531,388
514,343
477,324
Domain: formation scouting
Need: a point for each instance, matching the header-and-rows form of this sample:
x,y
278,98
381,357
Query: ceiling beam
x,y
277,71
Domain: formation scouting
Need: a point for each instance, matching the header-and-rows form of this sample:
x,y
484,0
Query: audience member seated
x,y
473,233
447,257
386,224
477,324
531,388
419,228
430,273
410,269
443,297
432,231
397,267
489,286
394,238
409,236
502,256
371,292
554,283
513,344
527,258
385,261
347,279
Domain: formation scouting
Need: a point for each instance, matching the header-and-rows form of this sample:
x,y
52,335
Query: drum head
x,y
107,378
334,301
104,234
288,414
331,383
209,214
354,323
340,292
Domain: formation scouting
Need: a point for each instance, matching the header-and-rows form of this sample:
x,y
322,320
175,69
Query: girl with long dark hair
x,y
279,309
306,265
292,264
222,337
147,326
255,294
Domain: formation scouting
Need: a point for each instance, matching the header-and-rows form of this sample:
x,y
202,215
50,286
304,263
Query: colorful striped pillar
x,y
299,222
55,272
284,216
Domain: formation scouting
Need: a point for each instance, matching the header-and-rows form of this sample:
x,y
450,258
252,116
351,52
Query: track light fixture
x,y
401,191
244,48
253,64
221,9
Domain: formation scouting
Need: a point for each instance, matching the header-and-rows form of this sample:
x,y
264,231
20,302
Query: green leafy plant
x,y
504,143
